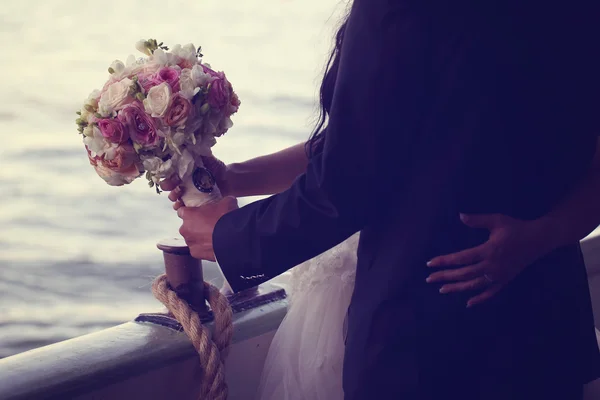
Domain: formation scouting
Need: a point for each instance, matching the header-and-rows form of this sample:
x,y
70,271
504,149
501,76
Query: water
x,y
75,254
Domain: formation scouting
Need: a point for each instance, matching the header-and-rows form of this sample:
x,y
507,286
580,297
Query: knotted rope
x,y
211,351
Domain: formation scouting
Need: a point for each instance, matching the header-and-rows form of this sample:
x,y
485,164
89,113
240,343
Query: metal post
x,y
184,273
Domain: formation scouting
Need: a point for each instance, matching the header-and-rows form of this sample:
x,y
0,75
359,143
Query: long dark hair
x,y
326,91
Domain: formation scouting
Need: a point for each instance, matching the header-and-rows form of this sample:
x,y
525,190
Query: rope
x,y
211,352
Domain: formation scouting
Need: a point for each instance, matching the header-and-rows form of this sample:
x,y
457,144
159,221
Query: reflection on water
x,y
75,254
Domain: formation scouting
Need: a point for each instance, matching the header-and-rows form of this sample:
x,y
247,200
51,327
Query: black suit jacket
x,y
442,107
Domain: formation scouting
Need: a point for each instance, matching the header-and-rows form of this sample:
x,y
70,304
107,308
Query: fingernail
x,y
469,305
428,280
180,212
429,263
443,290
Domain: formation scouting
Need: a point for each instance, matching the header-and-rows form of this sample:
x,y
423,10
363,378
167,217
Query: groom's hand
x,y
199,224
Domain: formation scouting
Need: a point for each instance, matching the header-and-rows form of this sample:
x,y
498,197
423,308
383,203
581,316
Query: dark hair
x,y
326,91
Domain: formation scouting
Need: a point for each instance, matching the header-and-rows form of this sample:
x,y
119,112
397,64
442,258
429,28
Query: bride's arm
x,y
266,175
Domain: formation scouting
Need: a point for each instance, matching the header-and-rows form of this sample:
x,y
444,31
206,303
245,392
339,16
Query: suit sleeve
x,y
377,105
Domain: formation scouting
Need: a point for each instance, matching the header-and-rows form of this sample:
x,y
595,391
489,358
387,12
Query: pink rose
x,y
123,162
147,81
169,75
140,125
93,160
219,93
179,111
120,170
113,130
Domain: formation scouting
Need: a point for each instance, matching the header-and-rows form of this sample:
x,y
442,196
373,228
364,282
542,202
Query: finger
x,y
182,212
177,205
169,184
473,284
230,202
176,193
464,257
459,274
484,296
481,221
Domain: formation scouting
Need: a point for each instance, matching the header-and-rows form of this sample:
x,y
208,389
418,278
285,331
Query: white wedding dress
x,y
307,352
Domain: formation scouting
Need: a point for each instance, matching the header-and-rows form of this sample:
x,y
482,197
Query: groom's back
x,y
509,130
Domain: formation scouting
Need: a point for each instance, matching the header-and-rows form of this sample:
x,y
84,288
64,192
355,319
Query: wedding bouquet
x,y
159,115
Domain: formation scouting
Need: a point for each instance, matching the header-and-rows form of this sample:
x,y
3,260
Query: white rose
x,y
158,100
188,87
116,96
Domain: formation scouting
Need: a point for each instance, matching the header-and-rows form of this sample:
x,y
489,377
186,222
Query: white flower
x,y
93,97
187,52
175,141
152,164
90,104
116,95
119,69
131,61
185,165
159,57
96,142
110,151
158,168
188,87
88,130
158,100
203,145
141,46
199,76
165,169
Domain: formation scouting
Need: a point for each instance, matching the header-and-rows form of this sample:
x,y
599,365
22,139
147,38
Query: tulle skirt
x,y
307,352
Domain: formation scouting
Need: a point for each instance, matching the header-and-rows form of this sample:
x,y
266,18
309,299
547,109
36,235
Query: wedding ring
x,y
487,278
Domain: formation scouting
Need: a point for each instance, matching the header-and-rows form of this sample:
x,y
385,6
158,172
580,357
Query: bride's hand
x,y
214,165
512,245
